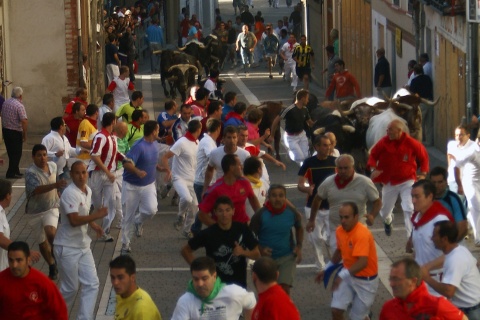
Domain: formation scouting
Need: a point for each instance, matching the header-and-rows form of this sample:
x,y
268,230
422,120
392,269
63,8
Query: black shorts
x,y
301,71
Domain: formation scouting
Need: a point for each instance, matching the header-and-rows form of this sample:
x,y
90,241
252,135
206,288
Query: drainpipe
x,y
79,39
472,74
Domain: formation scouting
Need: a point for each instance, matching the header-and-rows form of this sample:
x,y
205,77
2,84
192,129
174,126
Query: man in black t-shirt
x,y
423,86
112,61
314,170
296,117
228,243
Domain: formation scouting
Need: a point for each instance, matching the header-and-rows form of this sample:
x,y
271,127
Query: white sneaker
x,y
125,249
106,238
138,229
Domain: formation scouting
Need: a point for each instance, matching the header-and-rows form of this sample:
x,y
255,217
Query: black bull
x,y
179,69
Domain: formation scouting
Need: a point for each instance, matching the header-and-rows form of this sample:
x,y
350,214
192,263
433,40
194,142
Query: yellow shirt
x,y
125,111
139,306
86,132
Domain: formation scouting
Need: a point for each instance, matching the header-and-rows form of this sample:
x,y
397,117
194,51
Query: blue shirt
x,y
225,110
155,34
274,231
454,204
145,157
164,116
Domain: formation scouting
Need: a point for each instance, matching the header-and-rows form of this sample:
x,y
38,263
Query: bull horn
x,y
406,106
319,131
194,68
172,78
430,103
182,49
157,52
347,113
182,67
385,96
348,128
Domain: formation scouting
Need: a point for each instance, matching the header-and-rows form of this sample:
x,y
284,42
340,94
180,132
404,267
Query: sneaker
x,y
125,249
164,192
53,271
388,229
106,238
138,229
179,223
187,235
270,76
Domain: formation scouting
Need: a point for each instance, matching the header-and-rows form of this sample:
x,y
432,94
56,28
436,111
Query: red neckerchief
x,y
213,80
190,137
253,150
136,126
291,44
274,211
435,209
341,185
93,122
233,114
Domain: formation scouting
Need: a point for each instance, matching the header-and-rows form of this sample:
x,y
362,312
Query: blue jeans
x,y
197,225
474,314
247,58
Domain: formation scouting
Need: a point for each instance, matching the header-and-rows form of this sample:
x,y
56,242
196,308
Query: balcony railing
x,y
448,7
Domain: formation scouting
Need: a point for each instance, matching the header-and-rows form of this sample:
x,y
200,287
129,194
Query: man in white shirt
x,y
207,297
286,53
461,279
120,86
58,147
184,154
107,106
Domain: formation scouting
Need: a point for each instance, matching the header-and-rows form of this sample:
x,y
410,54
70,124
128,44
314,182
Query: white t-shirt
x,y
54,143
460,270
468,159
451,149
217,155
422,241
73,200
228,304
185,160
205,147
120,93
5,229
360,190
265,175
288,52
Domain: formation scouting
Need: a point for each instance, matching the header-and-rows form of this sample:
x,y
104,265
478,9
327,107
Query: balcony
x,y
448,7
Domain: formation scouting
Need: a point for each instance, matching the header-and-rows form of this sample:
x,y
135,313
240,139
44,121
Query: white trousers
x,y
320,236
297,147
77,266
472,194
103,195
188,204
359,293
389,197
289,71
137,198
118,193
112,71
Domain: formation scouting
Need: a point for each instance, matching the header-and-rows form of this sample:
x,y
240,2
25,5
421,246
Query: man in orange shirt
x,y
356,283
345,84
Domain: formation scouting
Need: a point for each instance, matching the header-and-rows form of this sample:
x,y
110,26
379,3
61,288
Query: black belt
x,y
467,310
367,278
294,133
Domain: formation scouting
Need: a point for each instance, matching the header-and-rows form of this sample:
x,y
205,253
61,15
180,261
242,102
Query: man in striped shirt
x,y
101,169
303,56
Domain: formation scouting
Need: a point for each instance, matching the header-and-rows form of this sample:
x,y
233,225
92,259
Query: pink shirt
x,y
252,132
13,112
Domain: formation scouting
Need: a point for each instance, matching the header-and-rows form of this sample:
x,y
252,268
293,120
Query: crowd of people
x,y
109,163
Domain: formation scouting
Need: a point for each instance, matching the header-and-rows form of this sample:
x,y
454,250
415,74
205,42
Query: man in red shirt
x,y
232,184
393,162
81,95
73,122
25,292
345,84
273,303
412,300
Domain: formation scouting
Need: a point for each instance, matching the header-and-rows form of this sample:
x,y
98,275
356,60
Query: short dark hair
x,y
340,62
214,72
352,205
266,270
239,107
412,269
169,104
330,49
108,119
185,106
439,171
76,107
302,93
427,186
319,138
92,109
213,125
79,92
5,188
194,125
229,130
447,229
77,163
251,165
56,123
201,93
229,96
254,115
149,127
418,69
124,262
277,186
424,56
137,114
203,263
124,69
412,63
107,98
228,161
19,246
111,37
223,200
38,147
213,107
137,95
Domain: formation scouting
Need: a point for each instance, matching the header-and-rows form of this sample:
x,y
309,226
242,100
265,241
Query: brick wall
x,y
71,49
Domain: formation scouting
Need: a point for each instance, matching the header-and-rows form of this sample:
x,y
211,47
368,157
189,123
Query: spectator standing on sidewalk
x,y
154,37
330,69
382,79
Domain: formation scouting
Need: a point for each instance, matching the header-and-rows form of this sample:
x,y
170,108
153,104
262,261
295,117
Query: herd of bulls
x,y
357,124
